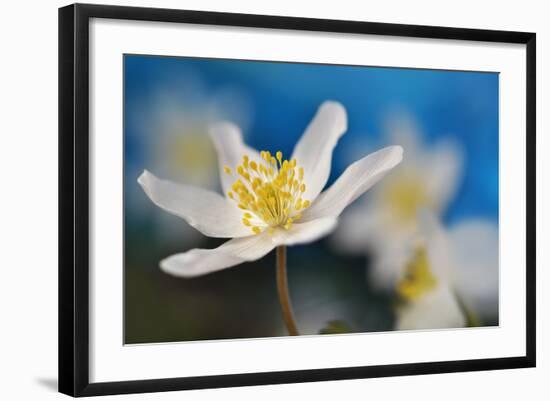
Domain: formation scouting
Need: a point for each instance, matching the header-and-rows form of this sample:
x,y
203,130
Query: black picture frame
x,y
74,198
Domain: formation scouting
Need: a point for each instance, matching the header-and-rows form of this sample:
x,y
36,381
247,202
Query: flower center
x,y
405,194
191,153
268,191
418,278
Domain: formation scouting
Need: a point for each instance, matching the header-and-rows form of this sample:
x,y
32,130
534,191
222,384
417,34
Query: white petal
x,y
438,309
230,147
301,233
402,129
355,230
437,244
353,182
440,165
204,210
475,270
392,250
313,151
198,262
394,246
442,168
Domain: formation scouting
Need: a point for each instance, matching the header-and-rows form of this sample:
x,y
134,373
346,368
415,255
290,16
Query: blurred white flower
x,y
177,125
384,224
172,126
268,201
451,278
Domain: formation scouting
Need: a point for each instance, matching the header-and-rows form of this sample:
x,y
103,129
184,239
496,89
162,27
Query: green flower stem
x,y
284,296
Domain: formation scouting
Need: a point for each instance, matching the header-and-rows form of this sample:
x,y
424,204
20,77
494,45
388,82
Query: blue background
x,y
285,96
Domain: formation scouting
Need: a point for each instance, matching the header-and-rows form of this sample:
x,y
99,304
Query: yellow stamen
x,y
288,224
227,170
418,278
405,193
270,189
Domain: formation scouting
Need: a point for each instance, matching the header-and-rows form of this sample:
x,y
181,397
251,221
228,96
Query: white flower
x,y
451,278
384,225
268,201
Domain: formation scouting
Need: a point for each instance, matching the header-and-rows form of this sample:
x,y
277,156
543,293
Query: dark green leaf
x,y
336,327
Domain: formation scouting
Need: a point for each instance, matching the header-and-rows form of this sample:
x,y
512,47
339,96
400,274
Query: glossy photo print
x,y
266,199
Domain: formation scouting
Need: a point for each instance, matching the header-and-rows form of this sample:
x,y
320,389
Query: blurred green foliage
x,y
242,302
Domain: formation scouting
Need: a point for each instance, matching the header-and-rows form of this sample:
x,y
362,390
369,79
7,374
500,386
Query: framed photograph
x,y
250,199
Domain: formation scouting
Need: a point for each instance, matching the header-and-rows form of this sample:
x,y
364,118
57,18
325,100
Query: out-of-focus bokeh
x,y
446,120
